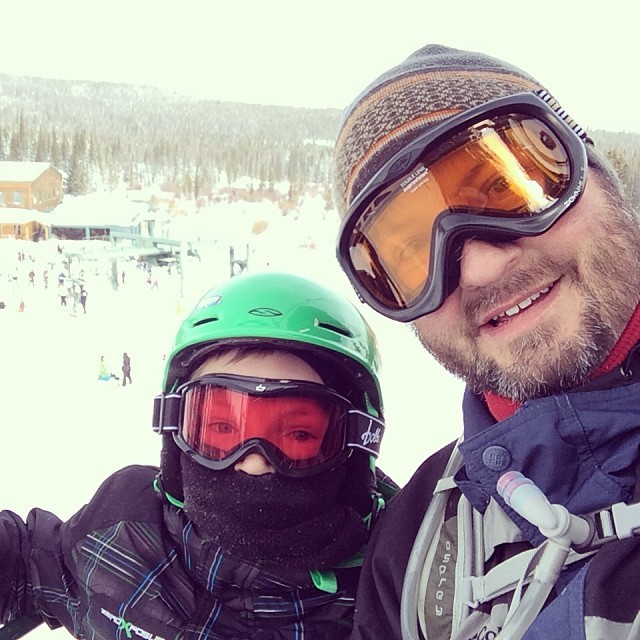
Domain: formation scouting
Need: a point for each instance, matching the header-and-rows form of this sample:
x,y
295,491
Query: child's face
x,y
279,365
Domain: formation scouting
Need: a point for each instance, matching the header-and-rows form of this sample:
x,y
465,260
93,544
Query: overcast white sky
x,y
322,54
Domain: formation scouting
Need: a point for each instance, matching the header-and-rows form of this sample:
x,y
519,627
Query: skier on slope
x,y
126,369
253,526
104,374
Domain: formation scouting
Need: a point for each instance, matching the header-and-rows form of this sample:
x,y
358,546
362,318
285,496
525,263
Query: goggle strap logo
x,y
371,437
555,105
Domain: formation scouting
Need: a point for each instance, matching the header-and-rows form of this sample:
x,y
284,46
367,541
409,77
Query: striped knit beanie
x,y
432,84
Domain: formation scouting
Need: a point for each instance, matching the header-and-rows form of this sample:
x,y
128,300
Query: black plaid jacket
x,y
129,566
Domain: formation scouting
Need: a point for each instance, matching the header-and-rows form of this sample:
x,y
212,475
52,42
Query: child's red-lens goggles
x,y
301,428
507,169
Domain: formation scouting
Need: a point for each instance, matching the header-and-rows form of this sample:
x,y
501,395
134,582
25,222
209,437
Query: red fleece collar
x,y
502,408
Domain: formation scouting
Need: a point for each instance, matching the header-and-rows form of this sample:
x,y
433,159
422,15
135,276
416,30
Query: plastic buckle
x,y
617,522
627,519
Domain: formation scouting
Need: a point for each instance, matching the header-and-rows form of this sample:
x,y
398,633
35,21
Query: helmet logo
x,y
261,387
265,312
369,436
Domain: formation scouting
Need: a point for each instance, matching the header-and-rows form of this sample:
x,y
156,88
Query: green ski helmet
x,y
282,311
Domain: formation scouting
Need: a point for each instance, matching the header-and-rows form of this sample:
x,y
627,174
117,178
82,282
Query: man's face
x,y
538,315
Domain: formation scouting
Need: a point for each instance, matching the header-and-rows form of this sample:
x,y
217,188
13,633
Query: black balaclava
x,y
297,522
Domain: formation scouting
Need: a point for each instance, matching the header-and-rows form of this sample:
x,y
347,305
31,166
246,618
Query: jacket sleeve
x,y
379,595
37,557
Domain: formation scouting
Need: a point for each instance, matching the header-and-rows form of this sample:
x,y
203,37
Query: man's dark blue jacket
x,y
583,450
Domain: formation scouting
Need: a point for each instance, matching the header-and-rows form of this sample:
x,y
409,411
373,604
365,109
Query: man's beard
x,y
540,363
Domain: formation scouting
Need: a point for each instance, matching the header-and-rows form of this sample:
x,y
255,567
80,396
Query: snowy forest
x,y
101,134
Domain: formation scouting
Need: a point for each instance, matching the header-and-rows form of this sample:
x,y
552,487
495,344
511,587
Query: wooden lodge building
x,y
27,190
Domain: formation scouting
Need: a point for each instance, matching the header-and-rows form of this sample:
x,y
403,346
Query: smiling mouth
x,y
506,315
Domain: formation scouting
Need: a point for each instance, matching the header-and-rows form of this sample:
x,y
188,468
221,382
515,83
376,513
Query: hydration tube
x,y
562,530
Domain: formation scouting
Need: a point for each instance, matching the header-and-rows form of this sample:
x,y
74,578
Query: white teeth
x,y
521,305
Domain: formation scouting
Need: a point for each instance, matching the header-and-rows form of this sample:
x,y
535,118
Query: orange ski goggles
x,y
507,169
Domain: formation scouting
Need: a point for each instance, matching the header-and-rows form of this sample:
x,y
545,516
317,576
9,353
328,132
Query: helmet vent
x,y
204,321
332,327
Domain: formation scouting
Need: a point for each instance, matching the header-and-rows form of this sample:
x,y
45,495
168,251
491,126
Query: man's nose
x,y
483,263
255,464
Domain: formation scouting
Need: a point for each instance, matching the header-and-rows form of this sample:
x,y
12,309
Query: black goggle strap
x,y
166,412
563,115
365,432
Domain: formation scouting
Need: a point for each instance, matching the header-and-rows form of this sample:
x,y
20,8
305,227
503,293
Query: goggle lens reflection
x,y
509,166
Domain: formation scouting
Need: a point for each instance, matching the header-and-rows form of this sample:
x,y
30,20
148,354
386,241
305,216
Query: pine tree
x,y
79,175
42,153
19,146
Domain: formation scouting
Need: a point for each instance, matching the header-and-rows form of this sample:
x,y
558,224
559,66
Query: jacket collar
x,y
579,448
